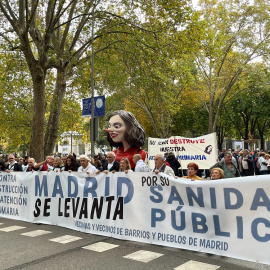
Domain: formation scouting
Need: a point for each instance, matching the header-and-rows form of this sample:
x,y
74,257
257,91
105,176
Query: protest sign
x,y
201,150
221,217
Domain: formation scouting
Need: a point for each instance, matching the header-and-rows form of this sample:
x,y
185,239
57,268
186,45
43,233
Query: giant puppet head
x,y
124,129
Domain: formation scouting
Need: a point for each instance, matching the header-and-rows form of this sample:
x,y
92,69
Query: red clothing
x,y
129,154
44,167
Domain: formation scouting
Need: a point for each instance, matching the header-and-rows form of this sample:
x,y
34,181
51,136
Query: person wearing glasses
x,y
112,165
13,166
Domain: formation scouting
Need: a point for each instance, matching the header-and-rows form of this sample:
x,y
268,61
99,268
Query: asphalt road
x,y
30,246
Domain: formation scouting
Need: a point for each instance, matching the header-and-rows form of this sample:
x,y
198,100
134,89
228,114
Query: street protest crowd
x,y
229,164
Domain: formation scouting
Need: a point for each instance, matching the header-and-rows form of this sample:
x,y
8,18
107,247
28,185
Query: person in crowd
x,y
192,170
217,173
92,161
255,158
125,133
226,164
221,155
267,158
20,161
64,160
113,164
26,160
97,157
262,163
13,165
2,166
174,163
125,165
98,165
86,166
104,162
166,156
71,164
245,164
46,165
234,161
57,165
30,167
140,166
236,155
160,166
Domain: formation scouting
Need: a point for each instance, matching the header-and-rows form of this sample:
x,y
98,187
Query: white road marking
x,y
65,239
11,228
193,265
143,256
35,233
100,247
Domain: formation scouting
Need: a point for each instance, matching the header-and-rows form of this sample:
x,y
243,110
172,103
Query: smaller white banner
x,y
201,150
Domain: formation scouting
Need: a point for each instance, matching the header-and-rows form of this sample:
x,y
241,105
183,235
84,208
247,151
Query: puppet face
x,y
117,128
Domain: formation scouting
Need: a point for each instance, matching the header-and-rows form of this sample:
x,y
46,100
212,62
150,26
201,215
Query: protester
x,y
125,165
263,164
174,163
226,164
104,162
64,160
126,133
98,165
256,164
30,167
267,159
13,165
221,155
57,165
192,170
2,166
46,165
245,164
20,161
217,173
71,164
112,165
140,166
26,160
160,166
86,166
166,156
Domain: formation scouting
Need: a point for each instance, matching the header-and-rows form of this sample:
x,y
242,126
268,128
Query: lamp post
x,y
92,88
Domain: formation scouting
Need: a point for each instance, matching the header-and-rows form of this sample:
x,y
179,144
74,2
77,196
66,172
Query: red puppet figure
x,y
125,133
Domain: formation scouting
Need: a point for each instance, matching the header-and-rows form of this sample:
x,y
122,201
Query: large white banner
x,y
201,150
228,217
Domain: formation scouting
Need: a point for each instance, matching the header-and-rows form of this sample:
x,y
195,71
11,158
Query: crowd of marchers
x,y
232,164
100,163
229,164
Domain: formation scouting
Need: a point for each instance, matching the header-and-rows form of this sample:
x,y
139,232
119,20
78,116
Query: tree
x,y
16,100
236,33
152,74
57,34
248,110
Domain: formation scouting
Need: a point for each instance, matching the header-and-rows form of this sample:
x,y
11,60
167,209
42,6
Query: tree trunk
x,y
211,114
37,136
55,112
